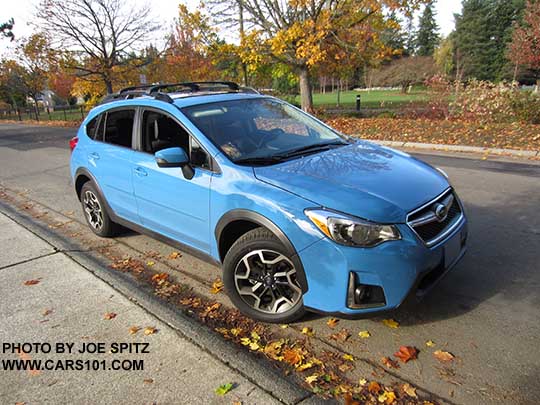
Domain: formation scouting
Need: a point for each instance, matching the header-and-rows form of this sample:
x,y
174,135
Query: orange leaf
x,y
341,336
292,356
31,282
217,286
443,356
332,322
406,353
109,315
134,329
174,255
150,330
374,387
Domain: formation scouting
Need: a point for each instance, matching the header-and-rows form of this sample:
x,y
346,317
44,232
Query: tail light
x,y
73,142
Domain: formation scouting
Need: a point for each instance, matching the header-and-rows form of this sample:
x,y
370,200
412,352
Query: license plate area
x,y
452,249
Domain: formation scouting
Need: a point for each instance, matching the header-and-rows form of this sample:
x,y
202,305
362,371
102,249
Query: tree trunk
x,y
108,84
306,97
537,87
242,36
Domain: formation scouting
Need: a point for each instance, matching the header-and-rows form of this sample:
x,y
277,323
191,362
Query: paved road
x,y
486,312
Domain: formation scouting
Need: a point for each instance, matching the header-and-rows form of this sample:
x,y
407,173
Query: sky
x,y
165,11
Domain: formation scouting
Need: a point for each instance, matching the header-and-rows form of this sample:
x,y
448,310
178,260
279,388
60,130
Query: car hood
x,y
362,179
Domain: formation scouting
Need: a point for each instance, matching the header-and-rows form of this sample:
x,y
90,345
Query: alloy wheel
x,y
266,281
93,210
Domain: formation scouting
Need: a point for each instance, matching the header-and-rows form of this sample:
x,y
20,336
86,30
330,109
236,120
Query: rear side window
x,y
119,127
91,127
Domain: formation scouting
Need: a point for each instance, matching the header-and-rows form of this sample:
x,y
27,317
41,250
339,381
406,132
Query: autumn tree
x,y
301,33
524,50
99,33
405,72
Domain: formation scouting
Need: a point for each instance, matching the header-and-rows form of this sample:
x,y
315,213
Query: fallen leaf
x,y
430,343
374,387
409,390
345,367
31,282
160,277
364,334
134,329
150,330
283,326
293,356
341,336
224,388
217,286
332,322
308,331
348,357
311,379
174,255
387,397
148,381
109,315
304,366
362,382
443,356
388,362
391,323
273,349
150,263
406,353
236,331
349,399
47,312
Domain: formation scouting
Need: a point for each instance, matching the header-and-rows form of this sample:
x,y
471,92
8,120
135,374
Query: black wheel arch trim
x,y
261,220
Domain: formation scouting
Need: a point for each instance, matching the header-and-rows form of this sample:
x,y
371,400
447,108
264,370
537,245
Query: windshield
x,y
262,130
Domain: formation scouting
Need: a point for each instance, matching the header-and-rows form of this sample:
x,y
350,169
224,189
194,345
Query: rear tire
x,y
261,278
95,213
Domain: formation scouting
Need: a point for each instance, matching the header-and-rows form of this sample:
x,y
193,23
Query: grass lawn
x,y
369,99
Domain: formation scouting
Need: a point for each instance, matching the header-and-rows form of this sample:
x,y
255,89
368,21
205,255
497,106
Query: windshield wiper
x,y
260,160
317,147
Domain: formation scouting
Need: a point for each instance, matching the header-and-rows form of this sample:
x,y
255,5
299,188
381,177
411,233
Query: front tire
x,y
261,278
95,213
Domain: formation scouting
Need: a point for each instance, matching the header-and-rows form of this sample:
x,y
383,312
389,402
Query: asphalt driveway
x,y
486,312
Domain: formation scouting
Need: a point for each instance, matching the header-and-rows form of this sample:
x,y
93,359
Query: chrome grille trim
x,y
448,197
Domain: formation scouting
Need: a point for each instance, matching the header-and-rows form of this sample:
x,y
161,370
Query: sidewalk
x,y
68,304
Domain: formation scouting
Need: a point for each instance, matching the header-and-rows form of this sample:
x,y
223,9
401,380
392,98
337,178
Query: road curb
x,y
460,148
254,369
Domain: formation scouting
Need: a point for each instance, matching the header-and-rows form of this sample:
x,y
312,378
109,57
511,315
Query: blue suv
x,y
298,216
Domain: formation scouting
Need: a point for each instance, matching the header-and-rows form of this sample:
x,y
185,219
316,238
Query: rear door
x,y
169,203
110,159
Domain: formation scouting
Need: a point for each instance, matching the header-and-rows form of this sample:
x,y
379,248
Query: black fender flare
x,y
261,220
81,171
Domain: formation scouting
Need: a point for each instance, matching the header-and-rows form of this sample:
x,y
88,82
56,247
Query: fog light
x,y
363,295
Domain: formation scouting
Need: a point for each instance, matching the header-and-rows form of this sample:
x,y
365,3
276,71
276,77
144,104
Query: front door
x,y
168,203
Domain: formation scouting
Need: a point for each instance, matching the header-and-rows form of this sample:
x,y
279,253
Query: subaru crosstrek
x,y
299,216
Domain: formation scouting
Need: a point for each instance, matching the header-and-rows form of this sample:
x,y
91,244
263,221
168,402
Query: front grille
x,y
430,228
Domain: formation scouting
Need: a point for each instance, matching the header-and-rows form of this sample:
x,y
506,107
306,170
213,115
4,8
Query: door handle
x,y
94,155
140,172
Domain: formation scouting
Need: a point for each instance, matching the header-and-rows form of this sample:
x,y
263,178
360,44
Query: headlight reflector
x,y
350,231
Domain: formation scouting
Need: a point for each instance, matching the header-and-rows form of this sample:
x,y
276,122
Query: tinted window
x,y
91,127
159,131
98,136
119,127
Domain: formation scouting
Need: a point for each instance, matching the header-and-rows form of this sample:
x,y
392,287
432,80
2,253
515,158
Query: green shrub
x,y
526,106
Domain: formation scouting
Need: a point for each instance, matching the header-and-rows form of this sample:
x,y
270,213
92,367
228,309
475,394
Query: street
x,y
485,312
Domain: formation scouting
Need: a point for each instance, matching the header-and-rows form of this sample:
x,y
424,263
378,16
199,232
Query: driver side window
x,y
159,131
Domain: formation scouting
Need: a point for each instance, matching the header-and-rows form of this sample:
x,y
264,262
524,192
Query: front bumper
x,y
397,268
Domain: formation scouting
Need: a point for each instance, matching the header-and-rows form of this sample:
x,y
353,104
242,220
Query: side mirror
x,y
175,157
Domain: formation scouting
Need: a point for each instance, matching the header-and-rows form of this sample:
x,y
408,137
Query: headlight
x,y
351,231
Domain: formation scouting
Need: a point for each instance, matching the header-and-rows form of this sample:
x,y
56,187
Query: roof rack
x,y
154,90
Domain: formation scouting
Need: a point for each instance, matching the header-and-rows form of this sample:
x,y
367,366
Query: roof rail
x,y
195,86
153,90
